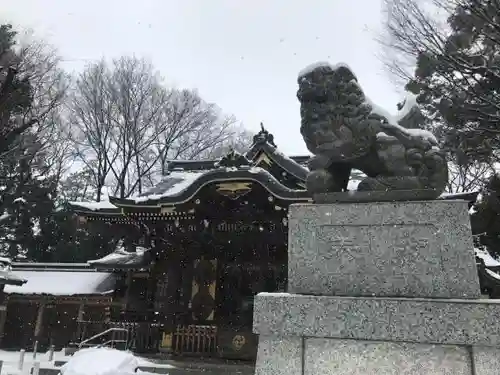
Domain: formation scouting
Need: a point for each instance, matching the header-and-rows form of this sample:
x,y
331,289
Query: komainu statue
x,y
344,130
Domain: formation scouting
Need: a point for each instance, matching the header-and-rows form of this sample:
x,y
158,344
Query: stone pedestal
x,y
379,288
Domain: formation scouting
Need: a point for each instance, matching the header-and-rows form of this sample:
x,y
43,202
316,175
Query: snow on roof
x,y
121,257
353,184
4,216
94,206
489,261
410,102
173,184
322,64
493,274
7,277
63,283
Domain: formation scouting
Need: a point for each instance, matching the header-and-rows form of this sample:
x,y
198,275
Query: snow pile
x,y
489,261
10,361
101,361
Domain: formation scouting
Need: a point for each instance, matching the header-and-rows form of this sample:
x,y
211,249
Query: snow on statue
x,y
345,130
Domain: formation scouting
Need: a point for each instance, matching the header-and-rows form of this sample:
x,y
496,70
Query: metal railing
x,y
112,341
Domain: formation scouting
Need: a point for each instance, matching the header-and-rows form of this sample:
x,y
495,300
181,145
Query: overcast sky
x,y
242,55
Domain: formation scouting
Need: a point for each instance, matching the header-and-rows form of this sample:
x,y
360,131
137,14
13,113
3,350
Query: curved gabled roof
x,y
181,186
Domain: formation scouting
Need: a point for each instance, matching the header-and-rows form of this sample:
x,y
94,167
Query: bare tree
x,y
469,177
240,141
91,115
128,124
139,100
411,28
40,64
194,129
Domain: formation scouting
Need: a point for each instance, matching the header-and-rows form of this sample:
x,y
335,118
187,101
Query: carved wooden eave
x,y
234,190
233,159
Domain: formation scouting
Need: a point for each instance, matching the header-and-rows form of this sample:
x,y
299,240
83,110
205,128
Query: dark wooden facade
x,y
215,234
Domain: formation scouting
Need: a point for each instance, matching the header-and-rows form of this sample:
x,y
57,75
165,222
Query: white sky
x,y
242,55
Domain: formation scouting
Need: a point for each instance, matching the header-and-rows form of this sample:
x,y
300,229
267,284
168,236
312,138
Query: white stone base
x,y
321,356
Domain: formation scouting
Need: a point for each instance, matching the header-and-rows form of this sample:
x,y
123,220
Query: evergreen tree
x,y
485,218
458,83
15,92
28,204
27,189
66,240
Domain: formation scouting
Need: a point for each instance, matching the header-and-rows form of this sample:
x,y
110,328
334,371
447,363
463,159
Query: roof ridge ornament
x,y
264,136
233,159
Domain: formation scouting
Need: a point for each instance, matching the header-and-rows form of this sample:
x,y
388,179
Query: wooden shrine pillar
x,y
3,310
39,321
81,312
169,275
128,285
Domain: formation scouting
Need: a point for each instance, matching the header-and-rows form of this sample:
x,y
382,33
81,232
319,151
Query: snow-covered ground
x,y
11,361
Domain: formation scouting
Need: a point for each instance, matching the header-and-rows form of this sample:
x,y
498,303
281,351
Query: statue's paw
x,y
318,162
321,181
387,183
